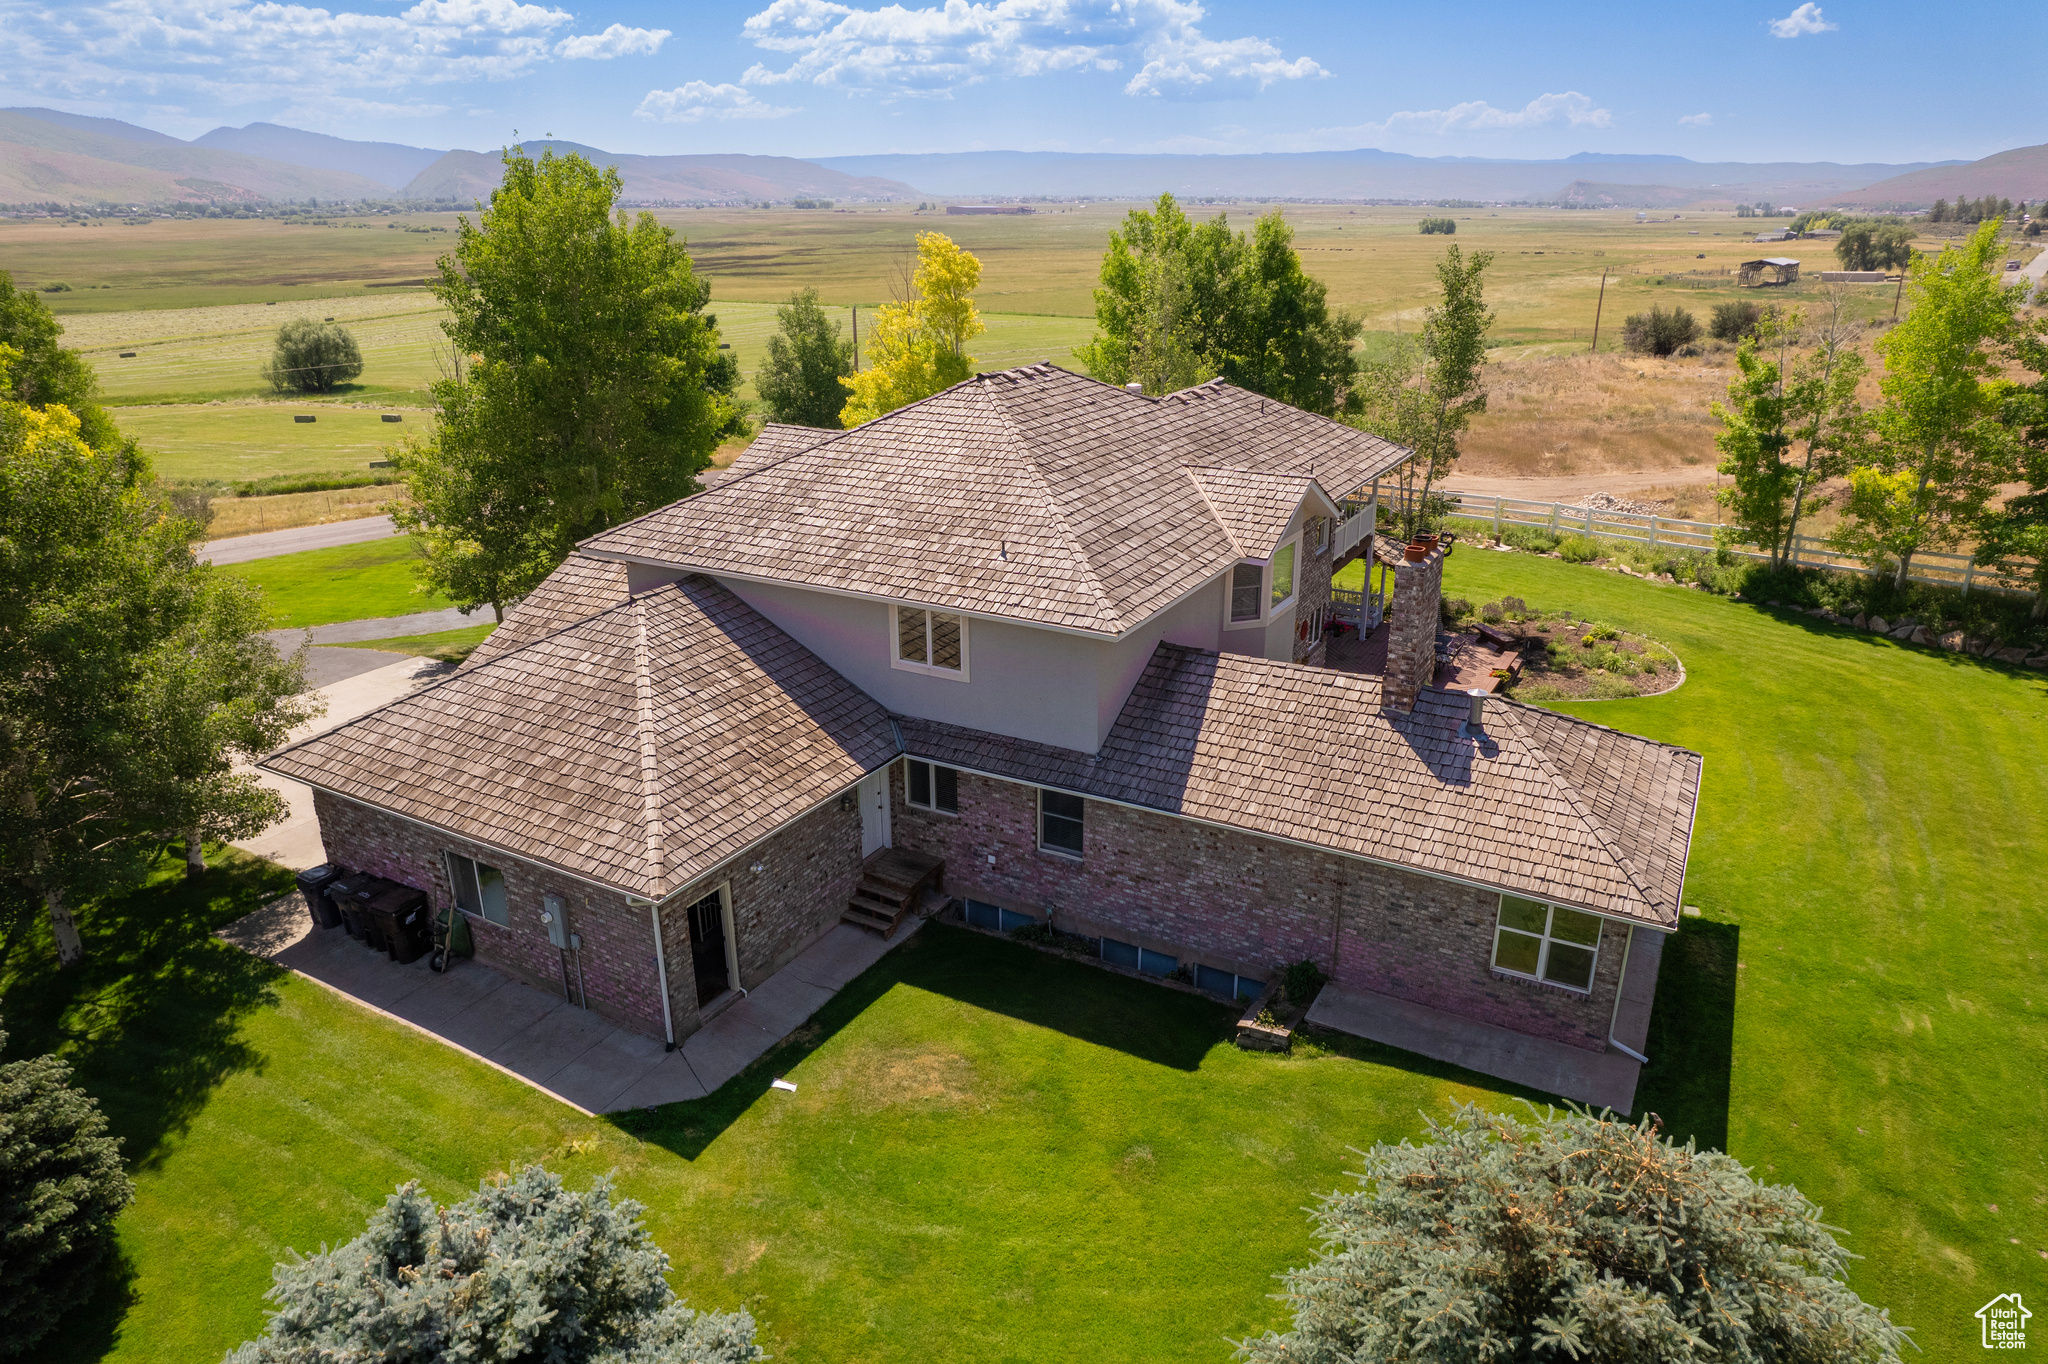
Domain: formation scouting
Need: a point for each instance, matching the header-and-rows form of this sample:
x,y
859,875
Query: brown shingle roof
x,y
638,748
579,588
1033,494
1253,505
1544,804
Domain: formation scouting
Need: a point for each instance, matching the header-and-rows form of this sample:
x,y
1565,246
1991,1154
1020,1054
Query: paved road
x,y
379,627
1565,487
240,549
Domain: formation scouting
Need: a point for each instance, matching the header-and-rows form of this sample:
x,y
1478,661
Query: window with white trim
x,y
933,642
1549,943
479,888
1322,533
1283,573
1059,822
930,786
995,918
1246,582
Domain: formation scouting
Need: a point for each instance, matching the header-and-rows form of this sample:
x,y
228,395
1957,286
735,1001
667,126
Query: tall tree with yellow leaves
x,y
919,346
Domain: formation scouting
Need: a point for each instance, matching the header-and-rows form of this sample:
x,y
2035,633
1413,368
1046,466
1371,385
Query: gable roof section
x,y
637,748
1254,506
1544,805
1032,494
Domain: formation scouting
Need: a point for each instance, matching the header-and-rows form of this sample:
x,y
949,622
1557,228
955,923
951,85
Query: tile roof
x,y
1544,804
638,747
1031,494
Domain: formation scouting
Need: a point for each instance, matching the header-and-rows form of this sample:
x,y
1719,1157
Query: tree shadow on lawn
x,y
150,1020
1162,1026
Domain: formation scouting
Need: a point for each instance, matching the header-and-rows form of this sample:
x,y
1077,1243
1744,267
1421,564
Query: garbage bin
x,y
400,917
313,884
352,895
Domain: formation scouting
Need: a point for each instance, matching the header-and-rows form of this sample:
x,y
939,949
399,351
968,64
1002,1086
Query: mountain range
x,y
48,155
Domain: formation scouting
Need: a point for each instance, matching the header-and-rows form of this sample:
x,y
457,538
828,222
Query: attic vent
x,y
1134,388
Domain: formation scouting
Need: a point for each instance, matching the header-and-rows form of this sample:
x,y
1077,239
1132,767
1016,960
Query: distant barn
x,y
1767,271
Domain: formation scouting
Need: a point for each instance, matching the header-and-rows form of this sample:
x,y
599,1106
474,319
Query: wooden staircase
x,y
893,881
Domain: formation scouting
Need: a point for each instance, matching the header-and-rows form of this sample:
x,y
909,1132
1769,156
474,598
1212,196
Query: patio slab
x,y
577,1056
1602,1079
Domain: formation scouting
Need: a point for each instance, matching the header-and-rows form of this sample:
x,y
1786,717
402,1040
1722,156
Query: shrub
x,y
312,357
1580,549
1596,631
1302,981
61,1187
1515,607
1493,613
1657,332
1430,227
1455,609
1570,1237
521,1270
1733,321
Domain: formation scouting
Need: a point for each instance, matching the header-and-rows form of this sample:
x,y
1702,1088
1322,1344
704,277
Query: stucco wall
x,y
1251,905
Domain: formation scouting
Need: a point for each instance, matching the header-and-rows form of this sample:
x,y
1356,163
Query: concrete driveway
x,y
240,549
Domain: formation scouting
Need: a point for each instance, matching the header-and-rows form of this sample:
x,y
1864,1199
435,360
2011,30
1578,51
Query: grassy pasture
x,y
255,440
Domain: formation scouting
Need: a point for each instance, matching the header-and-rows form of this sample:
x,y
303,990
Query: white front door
x,y
874,811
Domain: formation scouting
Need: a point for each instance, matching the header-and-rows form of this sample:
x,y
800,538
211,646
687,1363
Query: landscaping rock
x,y
1922,635
2038,661
2011,655
1820,611
1953,641
1905,623
1878,625
1860,620
1905,631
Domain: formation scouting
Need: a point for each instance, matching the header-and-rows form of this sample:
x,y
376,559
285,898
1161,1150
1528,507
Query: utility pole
x,y
856,338
1900,294
1595,348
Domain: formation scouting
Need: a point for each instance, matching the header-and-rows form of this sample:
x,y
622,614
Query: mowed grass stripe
x,y
344,582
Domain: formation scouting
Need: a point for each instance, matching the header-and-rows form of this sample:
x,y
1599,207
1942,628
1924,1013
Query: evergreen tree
x,y
61,1187
1571,1237
522,1270
588,388
807,357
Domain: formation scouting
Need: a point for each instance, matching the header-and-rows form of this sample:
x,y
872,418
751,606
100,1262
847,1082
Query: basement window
x,y
982,914
932,787
1546,942
1059,822
1227,983
1245,582
933,642
1138,958
479,888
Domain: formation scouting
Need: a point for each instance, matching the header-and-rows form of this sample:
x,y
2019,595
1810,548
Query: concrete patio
x,y
544,1040
1601,1079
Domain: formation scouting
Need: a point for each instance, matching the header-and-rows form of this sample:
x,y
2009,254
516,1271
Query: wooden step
x,y
868,915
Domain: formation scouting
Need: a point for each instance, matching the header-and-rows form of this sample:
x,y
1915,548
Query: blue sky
x,y
1719,81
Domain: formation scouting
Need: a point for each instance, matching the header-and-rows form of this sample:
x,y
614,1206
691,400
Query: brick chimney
x,y
1413,618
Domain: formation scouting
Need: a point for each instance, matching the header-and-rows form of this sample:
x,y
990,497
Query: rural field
x,y
998,1154
199,302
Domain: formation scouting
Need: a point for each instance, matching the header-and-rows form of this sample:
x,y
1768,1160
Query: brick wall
x,y
619,976
808,871
1413,619
1251,905
1312,601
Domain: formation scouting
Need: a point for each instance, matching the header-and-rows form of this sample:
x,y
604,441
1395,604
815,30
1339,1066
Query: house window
x,y
1059,822
1322,533
1546,942
479,888
1245,582
982,914
932,787
1138,958
1226,983
1283,572
932,642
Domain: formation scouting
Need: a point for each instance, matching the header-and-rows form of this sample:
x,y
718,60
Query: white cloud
x,y
1696,121
616,41
229,53
1805,19
699,100
1477,116
937,50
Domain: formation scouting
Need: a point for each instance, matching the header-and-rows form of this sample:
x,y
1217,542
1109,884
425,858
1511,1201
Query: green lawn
x,y
450,646
244,441
994,1154
346,582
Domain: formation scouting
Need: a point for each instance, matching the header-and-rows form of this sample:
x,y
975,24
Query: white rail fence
x,y
1670,532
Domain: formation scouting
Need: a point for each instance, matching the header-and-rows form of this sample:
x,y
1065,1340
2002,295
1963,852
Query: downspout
x,y
668,1024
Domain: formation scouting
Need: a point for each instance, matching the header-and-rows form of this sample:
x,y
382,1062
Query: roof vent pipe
x,y
1134,387
1475,723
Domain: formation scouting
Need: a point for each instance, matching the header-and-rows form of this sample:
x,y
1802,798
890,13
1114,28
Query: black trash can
x,y
313,884
401,917
352,896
